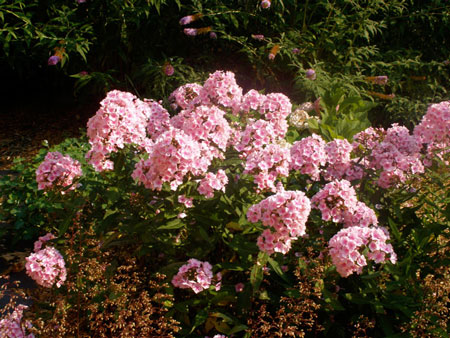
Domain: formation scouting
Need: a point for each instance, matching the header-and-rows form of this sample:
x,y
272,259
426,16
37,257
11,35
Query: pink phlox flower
x,y
46,267
13,326
267,164
397,156
252,100
347,248
434,131
338,159
57,171
186,201
158,119
38,244
187,96
121,119
213,182
255,135
206,124
195,275
221,89
173,155
309,156
336,200
284,215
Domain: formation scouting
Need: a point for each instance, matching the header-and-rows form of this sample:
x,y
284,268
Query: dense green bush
x,y
111,225
123,45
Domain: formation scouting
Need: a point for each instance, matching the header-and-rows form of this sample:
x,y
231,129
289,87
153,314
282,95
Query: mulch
x,y
25,127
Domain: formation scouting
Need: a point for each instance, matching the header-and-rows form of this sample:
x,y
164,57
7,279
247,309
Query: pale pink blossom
x,y
195,275
46,267
347,249
284,215
13,326
58,171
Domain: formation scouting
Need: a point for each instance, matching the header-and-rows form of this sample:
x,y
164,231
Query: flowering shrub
x,y
226,185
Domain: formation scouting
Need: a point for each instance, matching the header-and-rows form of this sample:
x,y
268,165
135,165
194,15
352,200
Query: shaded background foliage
x,y
125,45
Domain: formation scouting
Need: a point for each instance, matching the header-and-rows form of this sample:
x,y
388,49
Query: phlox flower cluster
x,y
367,139
268,163
186,201
338,159
173,156
46,267
43,239
195,275
213,182
276,107
221,88
308,155
397,156
434,130
361,215
252,100
158,119
12,326
206,124
256,135
187,96
347,248
285,215
121,119
338,203
57,171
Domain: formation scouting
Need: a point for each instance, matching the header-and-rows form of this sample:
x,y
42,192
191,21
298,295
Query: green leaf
x,y
276,267
200,318
174,224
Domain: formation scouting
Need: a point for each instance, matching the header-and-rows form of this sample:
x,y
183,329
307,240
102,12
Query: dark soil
x,y
35,113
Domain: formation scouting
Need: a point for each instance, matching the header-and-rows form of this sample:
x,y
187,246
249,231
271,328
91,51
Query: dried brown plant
x,y
295,316
431,320
108,293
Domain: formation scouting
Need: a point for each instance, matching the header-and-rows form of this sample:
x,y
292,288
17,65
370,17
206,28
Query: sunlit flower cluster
x,y
308,156
195,275
13,325
46,267
57,171
122,119
397,156
284,215
267,164
434,130
173,155
347,249
221,88
213,182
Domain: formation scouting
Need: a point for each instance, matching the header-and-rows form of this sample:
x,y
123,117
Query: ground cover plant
x,y
232,213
